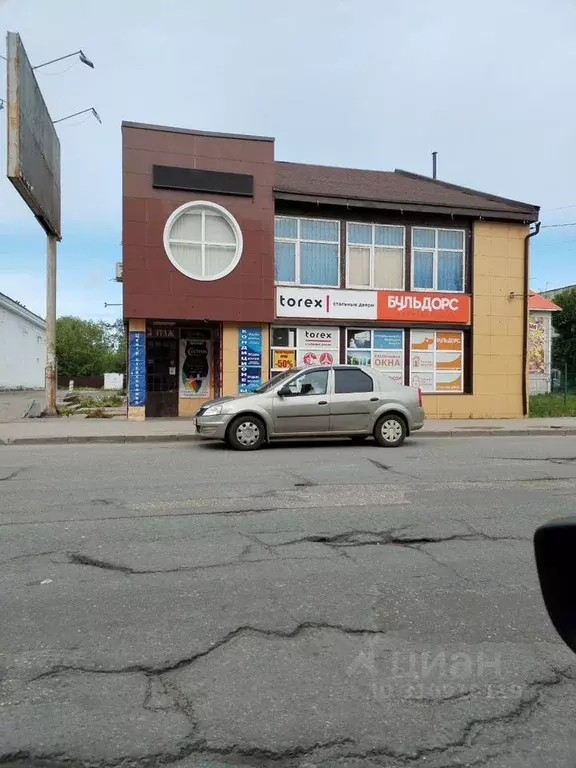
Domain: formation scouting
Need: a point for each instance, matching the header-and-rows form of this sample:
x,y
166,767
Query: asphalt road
x,y
310,606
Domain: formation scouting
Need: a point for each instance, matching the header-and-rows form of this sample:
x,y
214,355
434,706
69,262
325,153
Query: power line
x,y
568,224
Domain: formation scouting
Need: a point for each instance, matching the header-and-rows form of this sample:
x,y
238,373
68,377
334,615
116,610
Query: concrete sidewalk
x,y
81,430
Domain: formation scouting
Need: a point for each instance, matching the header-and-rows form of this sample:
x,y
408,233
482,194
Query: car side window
x,y
352,380
309,383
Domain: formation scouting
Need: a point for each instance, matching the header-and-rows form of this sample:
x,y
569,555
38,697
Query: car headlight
x,y
214,410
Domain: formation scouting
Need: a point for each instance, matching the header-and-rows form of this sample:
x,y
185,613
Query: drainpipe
x,y
526,301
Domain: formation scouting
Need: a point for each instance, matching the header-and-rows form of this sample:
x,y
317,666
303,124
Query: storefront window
x,y
437,361
379,348
304,346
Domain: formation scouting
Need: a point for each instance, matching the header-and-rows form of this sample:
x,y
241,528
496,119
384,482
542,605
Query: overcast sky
x,y
362,83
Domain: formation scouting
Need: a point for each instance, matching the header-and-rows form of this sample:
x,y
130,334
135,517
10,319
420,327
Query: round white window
x,y
203,240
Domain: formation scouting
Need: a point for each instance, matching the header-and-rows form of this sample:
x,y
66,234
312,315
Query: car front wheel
x,y
390,431
246,433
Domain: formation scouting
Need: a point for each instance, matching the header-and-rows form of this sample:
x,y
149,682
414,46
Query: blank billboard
x,y
33,146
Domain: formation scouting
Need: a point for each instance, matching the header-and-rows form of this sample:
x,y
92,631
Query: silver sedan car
x,y
339,401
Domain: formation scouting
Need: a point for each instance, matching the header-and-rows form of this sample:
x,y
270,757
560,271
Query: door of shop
x,y
162,377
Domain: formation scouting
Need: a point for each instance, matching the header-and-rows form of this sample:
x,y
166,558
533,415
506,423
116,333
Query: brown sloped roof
x,y
397,189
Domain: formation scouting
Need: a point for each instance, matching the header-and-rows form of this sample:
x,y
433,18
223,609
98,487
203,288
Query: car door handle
x,y
374,399
323,402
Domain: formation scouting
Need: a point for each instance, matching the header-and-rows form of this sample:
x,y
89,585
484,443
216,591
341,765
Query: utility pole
x,y
51,378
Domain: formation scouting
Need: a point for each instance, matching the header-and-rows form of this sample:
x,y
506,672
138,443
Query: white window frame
x,y
219,209
372,249
436,251
434,370
297,242
372,349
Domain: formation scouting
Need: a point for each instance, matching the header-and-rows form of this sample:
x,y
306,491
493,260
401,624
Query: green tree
x,y
564,324
88,348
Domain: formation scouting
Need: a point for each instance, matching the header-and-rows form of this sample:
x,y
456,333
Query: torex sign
x,y
395,306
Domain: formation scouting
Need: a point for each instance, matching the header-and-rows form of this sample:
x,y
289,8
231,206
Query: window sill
x,y
365,288
305,285
437,290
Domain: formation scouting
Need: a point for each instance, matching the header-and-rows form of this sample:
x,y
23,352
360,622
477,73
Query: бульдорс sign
x,y
395,306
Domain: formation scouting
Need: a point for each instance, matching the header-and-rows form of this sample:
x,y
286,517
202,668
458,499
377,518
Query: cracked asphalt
x,y
307,606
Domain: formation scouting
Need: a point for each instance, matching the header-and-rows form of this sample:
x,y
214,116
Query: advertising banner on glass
x,y
195,368
536,345
437,360
249,359
283,359
136,369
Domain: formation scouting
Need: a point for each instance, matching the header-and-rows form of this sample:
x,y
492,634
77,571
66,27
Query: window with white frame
x,y
203,240
375,256
438,259
437,361
307,251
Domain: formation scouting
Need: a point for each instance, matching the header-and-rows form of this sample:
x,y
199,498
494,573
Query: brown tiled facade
x,y
153,288
169,308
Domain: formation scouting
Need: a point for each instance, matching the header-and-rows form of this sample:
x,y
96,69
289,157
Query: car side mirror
x,y
555,548
284,391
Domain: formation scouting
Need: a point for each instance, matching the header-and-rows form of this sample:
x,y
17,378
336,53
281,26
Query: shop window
x,y
375,257
351,380
305,346
203,240
307,251
438,260
437,361
377,348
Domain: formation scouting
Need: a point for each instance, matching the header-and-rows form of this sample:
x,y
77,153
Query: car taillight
x,y
419,397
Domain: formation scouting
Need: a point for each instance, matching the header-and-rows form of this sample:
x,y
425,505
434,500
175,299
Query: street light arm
x,y
80,53
75,114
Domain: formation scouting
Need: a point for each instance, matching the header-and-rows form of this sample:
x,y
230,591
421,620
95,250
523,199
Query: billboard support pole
x,y
51,254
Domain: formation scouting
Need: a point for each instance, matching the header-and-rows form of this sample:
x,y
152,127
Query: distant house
x,y
22,346
540,333
555,291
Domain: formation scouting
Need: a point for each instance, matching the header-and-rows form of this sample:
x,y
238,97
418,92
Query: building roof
x,y
555,291
538,303
394,190
20,309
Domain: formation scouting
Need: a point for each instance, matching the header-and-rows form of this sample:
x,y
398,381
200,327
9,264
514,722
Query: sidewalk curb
x,y
186,438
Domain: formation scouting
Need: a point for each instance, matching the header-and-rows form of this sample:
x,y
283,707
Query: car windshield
x,y
275,380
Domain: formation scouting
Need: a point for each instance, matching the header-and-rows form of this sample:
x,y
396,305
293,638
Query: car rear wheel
x,y
390,431
246,433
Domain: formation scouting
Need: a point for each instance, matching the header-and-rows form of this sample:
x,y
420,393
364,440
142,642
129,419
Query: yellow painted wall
x,y
230,355
136,413
498,325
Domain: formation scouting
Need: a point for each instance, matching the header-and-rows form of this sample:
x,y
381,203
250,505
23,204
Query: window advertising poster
x,y
249,359
195,357
136,369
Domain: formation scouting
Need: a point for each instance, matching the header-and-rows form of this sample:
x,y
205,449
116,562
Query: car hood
x,y
221,400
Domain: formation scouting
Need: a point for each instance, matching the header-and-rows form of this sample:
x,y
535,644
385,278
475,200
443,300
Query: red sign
x,y
424,307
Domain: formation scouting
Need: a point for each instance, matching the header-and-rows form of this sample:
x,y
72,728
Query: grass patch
x,y
550,406
98,413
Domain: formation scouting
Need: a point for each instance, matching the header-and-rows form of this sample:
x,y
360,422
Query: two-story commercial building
x,y
237,266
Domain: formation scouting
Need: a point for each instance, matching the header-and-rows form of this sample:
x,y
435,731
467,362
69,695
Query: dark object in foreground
x,y
555,549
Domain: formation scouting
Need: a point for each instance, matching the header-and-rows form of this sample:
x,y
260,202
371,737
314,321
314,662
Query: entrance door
x,y
161,377
306,410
